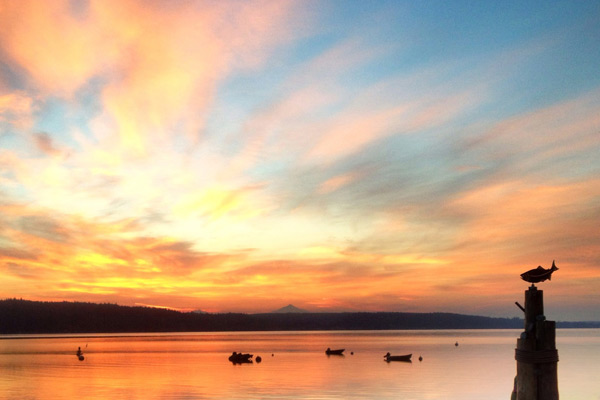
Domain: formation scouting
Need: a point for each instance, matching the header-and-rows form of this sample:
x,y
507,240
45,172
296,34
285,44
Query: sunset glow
x,y
338,156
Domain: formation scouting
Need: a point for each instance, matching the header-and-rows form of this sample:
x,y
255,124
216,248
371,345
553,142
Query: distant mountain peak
x,y
289,309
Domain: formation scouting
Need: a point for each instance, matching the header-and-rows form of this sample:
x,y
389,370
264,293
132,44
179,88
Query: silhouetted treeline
x,y
23,316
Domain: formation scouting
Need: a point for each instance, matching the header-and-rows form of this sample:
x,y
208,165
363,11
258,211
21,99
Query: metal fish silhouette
x,y
539,274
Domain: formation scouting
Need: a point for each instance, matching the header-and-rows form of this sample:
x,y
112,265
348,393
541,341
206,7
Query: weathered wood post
x,y
536,354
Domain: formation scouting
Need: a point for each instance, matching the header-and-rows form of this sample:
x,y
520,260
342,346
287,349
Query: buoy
x,y
351,353
258,359
420,358
456,344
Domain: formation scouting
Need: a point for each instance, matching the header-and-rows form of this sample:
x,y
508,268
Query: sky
x,y
336,155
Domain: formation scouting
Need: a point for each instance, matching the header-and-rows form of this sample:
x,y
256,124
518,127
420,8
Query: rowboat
x,y
337,352
406,357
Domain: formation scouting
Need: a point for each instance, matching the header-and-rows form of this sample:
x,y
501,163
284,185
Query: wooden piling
x,y
536,354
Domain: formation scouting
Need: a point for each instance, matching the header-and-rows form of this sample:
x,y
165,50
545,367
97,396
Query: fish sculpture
x,y
539,274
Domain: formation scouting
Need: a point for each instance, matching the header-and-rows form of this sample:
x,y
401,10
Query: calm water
x,y
294,366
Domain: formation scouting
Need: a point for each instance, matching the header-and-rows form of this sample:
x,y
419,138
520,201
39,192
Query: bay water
x,y
294,365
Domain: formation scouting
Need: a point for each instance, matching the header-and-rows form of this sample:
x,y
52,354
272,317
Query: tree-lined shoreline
x,y
19,316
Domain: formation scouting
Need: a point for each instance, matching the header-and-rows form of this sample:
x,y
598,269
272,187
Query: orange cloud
x,y
159,66
56,48
75,258
568,128
171,60
44,142
510,227
520,209
348,133
336,182
377,114
92,254
16,109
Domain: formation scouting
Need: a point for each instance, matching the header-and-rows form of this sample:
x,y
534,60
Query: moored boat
x,y
239,358
337,352
406,357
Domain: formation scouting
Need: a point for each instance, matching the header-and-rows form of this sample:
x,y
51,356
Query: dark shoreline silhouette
x,y
31,317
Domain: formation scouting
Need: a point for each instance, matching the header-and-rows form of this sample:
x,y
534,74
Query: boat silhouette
x,y
406,357
240,358
337,352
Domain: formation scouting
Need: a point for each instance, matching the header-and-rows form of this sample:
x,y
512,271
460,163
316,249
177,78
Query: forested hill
x,y
23,316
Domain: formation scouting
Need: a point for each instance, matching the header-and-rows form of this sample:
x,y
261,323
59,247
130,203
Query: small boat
x,y
240,358
337,352
406,357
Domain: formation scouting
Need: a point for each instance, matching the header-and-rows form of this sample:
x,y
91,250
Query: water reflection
x,y
294,365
